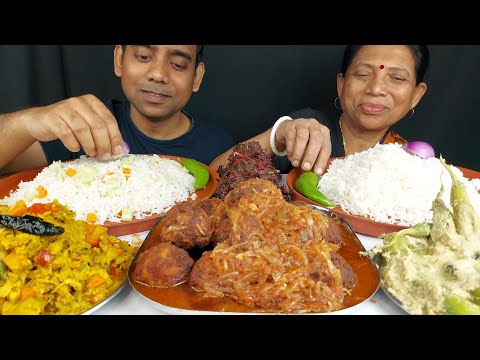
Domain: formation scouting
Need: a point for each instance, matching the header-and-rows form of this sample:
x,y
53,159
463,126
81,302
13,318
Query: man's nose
x,y
158,71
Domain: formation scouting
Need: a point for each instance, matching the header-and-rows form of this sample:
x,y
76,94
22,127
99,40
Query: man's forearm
x,y
15,137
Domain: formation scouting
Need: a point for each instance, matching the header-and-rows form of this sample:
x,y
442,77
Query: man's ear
x,y
118,60
197,80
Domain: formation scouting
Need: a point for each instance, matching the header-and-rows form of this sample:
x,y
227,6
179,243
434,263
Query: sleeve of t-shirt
x,y
55,150
219,142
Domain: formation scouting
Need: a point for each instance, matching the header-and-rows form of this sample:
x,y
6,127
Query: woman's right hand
x,y
307,142
79,122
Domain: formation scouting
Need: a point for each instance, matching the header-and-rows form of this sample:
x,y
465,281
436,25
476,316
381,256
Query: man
x,y
158,81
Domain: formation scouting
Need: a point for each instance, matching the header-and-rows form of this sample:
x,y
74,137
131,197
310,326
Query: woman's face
x,y
379,87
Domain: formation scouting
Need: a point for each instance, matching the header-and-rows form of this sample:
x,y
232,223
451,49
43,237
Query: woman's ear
x,y
340,80
418,93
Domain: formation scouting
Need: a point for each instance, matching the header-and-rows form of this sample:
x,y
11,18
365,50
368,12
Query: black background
x,y
247,87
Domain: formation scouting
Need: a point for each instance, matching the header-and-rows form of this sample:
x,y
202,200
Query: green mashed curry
x,y
434,268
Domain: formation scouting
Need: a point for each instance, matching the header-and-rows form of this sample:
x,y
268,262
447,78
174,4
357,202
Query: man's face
x,y
158,80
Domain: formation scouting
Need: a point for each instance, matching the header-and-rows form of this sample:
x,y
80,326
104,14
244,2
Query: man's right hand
x,y
79,122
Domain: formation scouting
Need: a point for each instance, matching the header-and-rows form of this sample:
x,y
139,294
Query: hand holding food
x,y
82,122
307,142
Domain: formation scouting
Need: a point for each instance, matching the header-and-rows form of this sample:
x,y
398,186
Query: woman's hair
x,y
421,53
198,59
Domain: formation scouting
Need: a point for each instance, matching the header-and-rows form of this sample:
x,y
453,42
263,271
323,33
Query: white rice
x,y
388,185
153,186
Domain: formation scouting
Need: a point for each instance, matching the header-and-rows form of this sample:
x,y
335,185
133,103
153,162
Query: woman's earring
x,y
413,112
335,103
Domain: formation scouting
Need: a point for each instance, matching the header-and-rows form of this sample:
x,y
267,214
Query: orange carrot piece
x,y
27,292
93,240
70,171
18,209
91,217
98,297
95,280
41,192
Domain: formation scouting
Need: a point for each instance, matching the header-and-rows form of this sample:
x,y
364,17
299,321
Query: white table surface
x,y
129,302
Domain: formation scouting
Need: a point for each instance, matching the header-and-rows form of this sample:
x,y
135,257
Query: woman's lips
x,y
372,108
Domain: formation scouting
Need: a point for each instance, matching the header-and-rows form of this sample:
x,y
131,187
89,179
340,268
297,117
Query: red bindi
x,y
381,66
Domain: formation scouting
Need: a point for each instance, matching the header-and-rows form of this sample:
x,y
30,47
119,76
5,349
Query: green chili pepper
x,y
455,305
196,169
306,185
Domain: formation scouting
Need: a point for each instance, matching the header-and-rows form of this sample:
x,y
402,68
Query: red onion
x,y
419,148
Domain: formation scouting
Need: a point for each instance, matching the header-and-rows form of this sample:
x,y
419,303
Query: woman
x,y
378,86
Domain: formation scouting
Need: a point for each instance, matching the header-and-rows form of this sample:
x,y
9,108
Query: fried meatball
x,y
186,227
214,208
349,278
203,273
331,228
163,265
255,191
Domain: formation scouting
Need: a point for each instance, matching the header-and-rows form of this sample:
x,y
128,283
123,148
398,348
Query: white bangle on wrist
x,y
272,136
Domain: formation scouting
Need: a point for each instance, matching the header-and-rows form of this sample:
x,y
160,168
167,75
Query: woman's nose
x,y
377,85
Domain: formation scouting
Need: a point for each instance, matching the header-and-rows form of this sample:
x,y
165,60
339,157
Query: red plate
x,y
360,224
116,229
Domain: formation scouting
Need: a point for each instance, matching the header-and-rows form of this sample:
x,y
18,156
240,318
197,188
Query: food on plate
x,y
267,254
434,268
186,225
196,169
273,255
306,185
247,161
133,187
66,273
388,185
163,265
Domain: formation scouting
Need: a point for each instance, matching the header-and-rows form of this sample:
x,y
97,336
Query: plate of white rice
x,y
126,195
385,189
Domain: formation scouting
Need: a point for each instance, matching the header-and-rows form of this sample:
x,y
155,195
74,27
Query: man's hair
x,y
198,58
